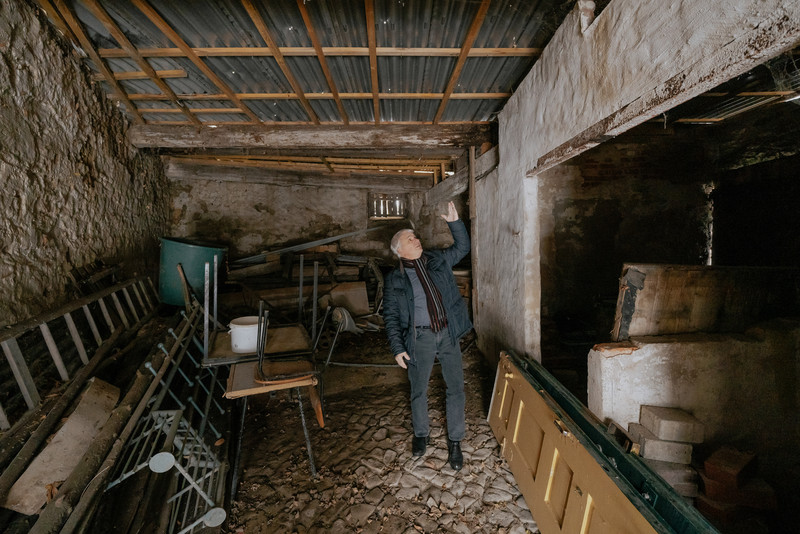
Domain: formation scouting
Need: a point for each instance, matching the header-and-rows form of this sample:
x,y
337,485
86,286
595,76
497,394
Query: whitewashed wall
x,y
636,60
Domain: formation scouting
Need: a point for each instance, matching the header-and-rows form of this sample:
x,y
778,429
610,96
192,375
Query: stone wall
x,y
250,218
74,190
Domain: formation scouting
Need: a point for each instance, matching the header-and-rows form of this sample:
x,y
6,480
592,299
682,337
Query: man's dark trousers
x,y
430,345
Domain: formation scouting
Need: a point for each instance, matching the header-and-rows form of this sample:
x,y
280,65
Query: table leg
x,y
305,432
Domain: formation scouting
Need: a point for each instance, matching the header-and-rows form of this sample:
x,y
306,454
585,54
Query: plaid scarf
x,y
432,296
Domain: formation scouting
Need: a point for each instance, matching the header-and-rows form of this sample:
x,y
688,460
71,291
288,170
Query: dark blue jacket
x,y
398,296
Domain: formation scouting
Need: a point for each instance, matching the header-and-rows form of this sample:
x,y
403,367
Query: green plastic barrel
x,y
192,255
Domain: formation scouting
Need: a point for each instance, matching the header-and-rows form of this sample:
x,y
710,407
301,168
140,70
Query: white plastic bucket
x,y
244,334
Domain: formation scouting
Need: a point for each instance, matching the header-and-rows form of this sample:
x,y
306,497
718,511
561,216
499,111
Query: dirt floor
x,y
367,480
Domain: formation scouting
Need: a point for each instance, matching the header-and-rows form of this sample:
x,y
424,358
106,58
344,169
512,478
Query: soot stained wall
x,y
250,218
74,190
618,203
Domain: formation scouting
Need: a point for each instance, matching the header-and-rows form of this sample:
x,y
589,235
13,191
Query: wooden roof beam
x,y
176,39
323,63
462,57
305,51
189,169
261,26
373,59
424,138
105,19
323,96
87,46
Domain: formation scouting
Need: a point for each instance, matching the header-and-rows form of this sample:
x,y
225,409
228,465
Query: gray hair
x,y
395,245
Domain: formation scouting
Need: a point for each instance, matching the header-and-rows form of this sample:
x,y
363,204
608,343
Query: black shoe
x,y
419,445
454,455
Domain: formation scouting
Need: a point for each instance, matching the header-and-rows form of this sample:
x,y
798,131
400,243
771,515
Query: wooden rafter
x,y
194,110
322,61
326,96
59,21
140,75
373,60
87,46
327,51
176,39
261,26
105,19
462,57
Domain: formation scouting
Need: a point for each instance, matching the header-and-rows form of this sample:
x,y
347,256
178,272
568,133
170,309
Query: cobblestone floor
x,y
367,479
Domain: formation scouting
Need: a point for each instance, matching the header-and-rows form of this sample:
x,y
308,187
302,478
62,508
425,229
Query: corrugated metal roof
x,y
341,26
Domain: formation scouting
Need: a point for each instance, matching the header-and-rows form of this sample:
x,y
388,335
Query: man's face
x,y
410,248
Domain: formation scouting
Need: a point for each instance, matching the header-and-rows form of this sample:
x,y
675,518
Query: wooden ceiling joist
x,y
261,26
188,169
373,60
327,51
178,41
140,75
88,47
105,19
321,137
323,63
326,96
462,57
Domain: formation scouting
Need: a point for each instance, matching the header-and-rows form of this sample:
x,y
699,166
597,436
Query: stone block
x,y
754,493
717,510
673,473
653,448
671,424
730,466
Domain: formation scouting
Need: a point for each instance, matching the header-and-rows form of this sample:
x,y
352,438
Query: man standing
x,y
425,317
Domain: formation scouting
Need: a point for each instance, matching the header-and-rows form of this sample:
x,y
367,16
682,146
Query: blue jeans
x,y
429,346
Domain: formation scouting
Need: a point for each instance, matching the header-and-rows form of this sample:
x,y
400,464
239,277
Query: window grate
x,y
386,206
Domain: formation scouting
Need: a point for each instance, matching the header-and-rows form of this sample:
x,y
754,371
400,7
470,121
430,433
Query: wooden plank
x,y
55,354
320,138
323,63
319,96
242,381
19,368
76,338
373,59
477,21
300,51
141,75
54,464
261,26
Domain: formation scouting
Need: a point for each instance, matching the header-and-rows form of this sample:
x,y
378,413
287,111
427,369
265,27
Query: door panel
x,y
564,486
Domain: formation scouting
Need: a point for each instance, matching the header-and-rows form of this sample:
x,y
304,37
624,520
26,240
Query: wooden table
x,y
287,364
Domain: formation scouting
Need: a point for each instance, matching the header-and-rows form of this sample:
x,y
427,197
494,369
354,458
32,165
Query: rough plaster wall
x,y
73,189
250,218
506,274
631,48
